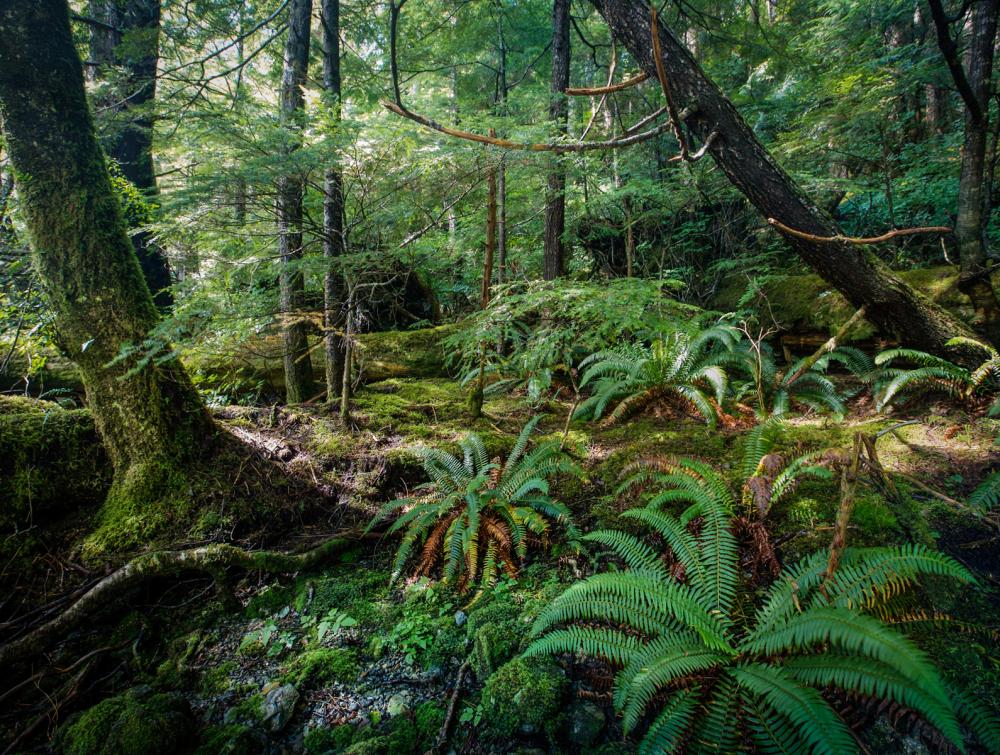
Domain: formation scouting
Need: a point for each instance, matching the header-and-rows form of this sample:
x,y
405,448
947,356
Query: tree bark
x,y
334,243
129,43
149,415
973,200
299,385
890,304
553,261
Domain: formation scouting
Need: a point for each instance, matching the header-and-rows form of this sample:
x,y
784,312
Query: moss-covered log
x,y
806,304
149,416
50,459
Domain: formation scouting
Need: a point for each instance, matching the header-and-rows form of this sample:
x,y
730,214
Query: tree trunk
x,y
130,43
334,242
299,385
553,261
890,304
973,213
149,416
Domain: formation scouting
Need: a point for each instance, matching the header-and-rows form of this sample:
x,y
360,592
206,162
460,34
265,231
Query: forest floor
x,y
336,660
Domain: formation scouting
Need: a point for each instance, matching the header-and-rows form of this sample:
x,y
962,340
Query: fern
x,y
476,515
695,664
893,385
678,367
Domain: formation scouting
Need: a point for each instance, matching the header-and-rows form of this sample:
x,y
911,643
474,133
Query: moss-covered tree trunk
x,y
150,419
299,385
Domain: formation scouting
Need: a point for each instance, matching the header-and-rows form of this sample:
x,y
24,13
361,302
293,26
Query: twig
x,y
442,737
830,345
839,239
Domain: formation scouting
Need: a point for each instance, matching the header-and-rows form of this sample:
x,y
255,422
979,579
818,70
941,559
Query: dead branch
x,y
839,239
609,89
830,345
661,74
442,737
209,559
557,147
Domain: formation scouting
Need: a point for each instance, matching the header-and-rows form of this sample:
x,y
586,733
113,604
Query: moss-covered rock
x,y
51,461
137,722
523,697
324,740
404,353
231,739
316,668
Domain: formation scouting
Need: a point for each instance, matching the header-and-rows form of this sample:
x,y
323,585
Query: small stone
x,y
279,706
398,704
586,722
460,618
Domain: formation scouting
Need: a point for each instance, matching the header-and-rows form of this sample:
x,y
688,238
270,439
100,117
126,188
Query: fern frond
x,y
813,718
667,731
597,642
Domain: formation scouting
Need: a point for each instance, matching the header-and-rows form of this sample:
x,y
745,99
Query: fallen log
x,y
210,559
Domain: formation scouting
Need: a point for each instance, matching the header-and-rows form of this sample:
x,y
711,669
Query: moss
x,y
323,740
428,717
807,303
373,746
523,696
404,353
217,679
231,739
51,462
137,722
317,668
496,633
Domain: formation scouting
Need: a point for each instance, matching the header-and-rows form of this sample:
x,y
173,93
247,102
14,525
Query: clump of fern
x,y
476,515
804,383
893,385
677,366
708,671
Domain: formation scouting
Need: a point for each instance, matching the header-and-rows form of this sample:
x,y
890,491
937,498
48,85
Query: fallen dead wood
x,y
210,559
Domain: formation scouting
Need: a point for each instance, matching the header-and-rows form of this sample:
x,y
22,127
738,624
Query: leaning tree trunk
x,y
890,304
299,384
149,415
333,209
970,226
553,260
125,36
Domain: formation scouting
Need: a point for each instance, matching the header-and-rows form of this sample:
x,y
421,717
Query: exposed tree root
x,y
210,559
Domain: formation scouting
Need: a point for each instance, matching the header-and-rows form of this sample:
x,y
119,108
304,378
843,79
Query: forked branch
x,y
609,89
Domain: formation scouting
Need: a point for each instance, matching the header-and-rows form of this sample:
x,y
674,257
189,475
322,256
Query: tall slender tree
x,y
149,415
125,50
299,384
974,82
334,242
553,262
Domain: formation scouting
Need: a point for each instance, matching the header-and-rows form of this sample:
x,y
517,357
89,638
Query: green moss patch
x,y
318,668
524,696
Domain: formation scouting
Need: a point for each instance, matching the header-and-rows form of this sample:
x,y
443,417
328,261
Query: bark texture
x,y
334,242
890,304
126,49
150,418
553,262
973,200
299,385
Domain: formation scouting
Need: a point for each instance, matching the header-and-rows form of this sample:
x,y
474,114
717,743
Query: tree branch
x,y
609,89
949,50
838,239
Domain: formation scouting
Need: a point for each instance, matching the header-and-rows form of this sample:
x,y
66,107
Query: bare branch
x,y
839,239
949,50
609,89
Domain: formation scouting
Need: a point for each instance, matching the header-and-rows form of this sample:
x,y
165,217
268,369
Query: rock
x,y
398,704
460,618
279,706
585,722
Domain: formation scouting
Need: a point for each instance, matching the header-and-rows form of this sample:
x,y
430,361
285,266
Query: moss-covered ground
x,y
337,660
